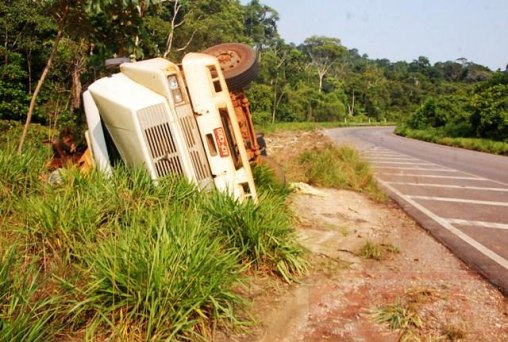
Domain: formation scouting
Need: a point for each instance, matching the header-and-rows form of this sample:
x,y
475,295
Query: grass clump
x,y
340,167
407,315
267,182
377,251
262,234
19,177
371,251
401,317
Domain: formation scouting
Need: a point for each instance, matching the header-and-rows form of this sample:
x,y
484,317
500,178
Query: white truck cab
x,y
170,121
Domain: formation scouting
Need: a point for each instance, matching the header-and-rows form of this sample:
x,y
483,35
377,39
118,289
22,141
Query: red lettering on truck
x,y
222,142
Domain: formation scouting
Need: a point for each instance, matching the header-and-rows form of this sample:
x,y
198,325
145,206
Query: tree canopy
x,y
318,80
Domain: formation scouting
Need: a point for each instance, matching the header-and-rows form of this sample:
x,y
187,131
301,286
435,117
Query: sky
x,y
440,30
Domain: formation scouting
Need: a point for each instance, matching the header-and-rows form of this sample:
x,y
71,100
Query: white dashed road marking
x,y
383,159
483,224
430,176
447,225
458,200
450,186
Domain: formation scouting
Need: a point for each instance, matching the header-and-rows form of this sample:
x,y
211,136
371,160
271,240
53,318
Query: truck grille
x,y
193,141
159,137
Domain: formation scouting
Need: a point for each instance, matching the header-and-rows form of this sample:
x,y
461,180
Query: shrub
x,y
490,112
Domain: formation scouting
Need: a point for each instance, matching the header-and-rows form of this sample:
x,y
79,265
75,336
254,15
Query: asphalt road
x,y
459,196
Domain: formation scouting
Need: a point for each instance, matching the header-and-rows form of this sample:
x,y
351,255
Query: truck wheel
x,y
275,167
262,144
238,63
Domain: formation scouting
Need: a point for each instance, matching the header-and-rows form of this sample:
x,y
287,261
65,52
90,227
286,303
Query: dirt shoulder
x,y
370,262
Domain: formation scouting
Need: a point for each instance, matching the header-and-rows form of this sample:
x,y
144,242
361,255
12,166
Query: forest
x,y
51,50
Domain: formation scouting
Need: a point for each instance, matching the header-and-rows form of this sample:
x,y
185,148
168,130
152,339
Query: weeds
x,y
19,177
266,181
340,167
371,251
376,251
406,316
401,317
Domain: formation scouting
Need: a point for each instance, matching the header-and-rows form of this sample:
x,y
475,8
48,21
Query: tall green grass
x,y
164,275
261,234
19,176
24,315
340,167
123,258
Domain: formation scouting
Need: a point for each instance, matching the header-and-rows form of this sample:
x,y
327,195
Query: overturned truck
x,y
191,119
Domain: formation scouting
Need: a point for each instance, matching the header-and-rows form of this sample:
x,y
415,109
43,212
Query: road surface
x,y
460,196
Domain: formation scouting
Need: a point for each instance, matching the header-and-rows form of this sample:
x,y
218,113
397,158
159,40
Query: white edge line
x,y
473,243
483,224
458,200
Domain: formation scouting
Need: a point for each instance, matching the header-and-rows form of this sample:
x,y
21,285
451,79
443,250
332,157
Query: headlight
x,y
173,82
175,89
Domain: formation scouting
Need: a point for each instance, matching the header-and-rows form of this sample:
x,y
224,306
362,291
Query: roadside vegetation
x,y
309,126
119,257
439,137
476,120
340,167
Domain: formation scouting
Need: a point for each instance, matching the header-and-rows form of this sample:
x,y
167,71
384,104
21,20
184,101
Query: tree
x,y
261,24
61,16
280,68
24,33
210,22
324,52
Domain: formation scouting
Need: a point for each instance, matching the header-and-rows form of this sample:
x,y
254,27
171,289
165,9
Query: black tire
x,y
262,144
238,63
